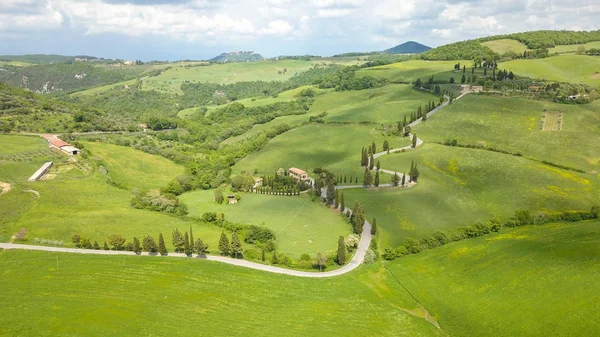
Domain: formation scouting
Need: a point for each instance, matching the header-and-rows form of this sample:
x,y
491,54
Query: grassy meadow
x,y
573,47
335,147
460,186
96,295
514,124
133,168
563,68
505,45
530,281
12,144
410,71
300,225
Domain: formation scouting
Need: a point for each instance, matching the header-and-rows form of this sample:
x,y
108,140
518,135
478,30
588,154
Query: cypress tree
x,y
376,182
378,165
373,148
371,162
187,250
191,241
342,203
136,245
96,245
368,179
414,141
374,227
162,248
336,201
358,218
236,245
105,246
395,179
275,258
424,117
224,244
356,180
148,244
341,252
330,195
403,179
386,145
344,178
263,254
200,247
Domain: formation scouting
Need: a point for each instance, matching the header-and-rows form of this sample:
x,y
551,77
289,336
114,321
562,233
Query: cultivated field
x,y
12,144
134,168
551,121
410,71
505,45
513,124
458,187
300,226
564,68
531,281
335,147
573,47
90,295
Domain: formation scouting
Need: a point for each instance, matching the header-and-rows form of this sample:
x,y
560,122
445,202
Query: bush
x,y
209,217
352,241
413,246
258,234
389,254
401,251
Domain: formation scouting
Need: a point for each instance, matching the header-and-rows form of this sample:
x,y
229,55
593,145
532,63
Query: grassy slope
x,y
505,45
563,68
460,186
134,168
383,105
532,281
335,147
411,70
301,226
16,144
573,47
94,295
514,124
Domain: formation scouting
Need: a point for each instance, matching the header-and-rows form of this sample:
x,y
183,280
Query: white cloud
x,y
272,11
443,33
277,27
333,13
455,12
395,9
338,3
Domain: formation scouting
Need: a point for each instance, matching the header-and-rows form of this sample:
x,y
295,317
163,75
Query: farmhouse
x,y
231,199
58,144
298,174
41,171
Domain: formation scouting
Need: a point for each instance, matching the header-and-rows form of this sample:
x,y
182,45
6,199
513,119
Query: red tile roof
x,y
59,143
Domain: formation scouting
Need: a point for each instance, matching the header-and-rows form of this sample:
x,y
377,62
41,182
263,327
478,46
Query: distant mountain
x,y
410,47
238,56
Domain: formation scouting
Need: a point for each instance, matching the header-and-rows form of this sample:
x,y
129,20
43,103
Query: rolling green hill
x,y
563,68
409,47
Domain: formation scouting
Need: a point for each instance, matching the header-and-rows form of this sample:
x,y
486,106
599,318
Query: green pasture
x,y
505,45
530,281
102,89
563,68
227,73
300,225
410,71
458,187
388,104
335,147
12,144
133,168
82,295
514,124
573,47
87,206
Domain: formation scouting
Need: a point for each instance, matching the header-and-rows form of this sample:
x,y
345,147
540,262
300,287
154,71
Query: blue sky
x,y
200,29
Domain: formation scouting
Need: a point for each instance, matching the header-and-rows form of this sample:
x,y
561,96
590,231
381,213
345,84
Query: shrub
x,y
305,257
595,211
352,241
370,257
389,254
269,246
209,216
413,246
401,251
21,235
258,234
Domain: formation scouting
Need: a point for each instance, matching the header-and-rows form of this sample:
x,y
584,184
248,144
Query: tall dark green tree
x,y
386,145
357,218
378,165
373,148
275,257
463,79
224,244
136,245
236,245
363,158
414,141
162,248
105,246
191,240
368,178
341,252
330,195
178,240
403,179
414,174
395,179
149,245
374,227
187,250
376,182
342,202
318,188
336,200
371,162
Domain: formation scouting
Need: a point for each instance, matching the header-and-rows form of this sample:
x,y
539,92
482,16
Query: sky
x,y
201,29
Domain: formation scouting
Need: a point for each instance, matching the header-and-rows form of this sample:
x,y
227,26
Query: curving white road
x,y
356,261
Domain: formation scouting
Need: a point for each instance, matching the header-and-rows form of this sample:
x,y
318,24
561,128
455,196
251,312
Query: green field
x,y
104,88
226,73
573,47
514,124
410,71
387,104
564,68
458,187
134,168
97,295
505,45
15,144
532,281
335,147
300,225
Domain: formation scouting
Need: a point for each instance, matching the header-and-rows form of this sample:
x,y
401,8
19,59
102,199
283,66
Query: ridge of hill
x,y
408,47
238,56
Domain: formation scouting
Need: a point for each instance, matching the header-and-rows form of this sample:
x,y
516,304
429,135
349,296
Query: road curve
x,y
357,259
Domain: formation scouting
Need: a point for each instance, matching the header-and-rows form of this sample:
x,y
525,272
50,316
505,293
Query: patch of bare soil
x,y
4,187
